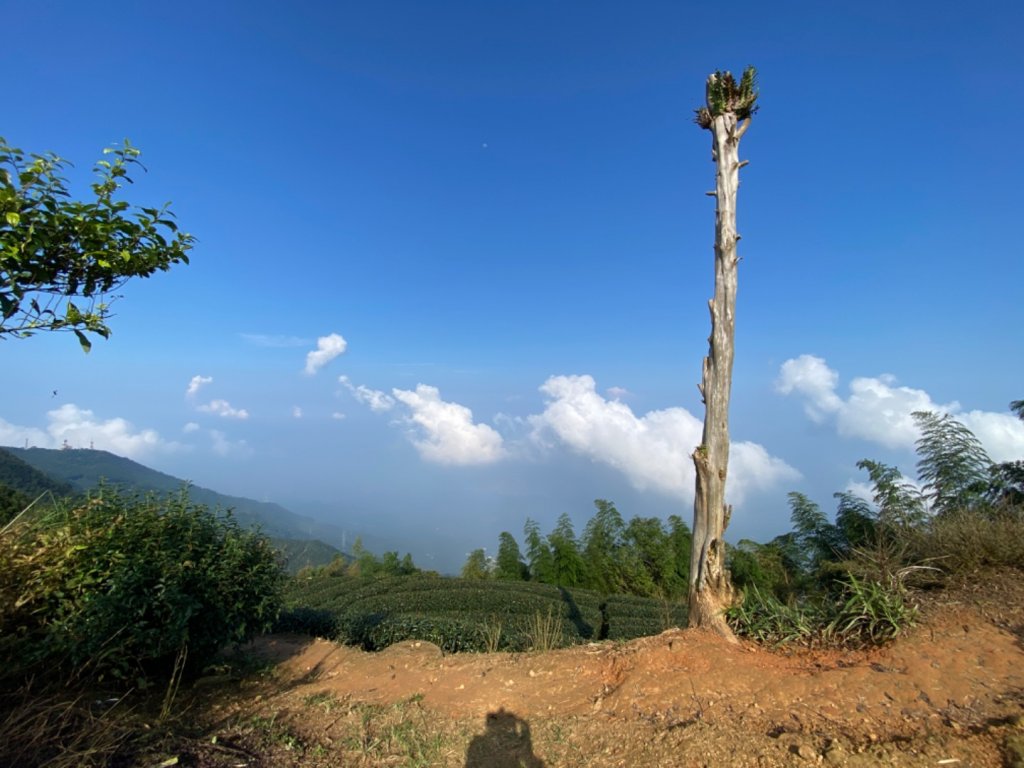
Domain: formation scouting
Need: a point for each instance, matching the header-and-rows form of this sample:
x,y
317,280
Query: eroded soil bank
x,y
951,693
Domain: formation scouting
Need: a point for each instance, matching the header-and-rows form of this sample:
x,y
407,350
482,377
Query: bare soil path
x,y
950,693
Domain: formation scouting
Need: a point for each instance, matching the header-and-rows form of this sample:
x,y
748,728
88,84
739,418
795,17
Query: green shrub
x,y
122,586
864,613
375,632
629,616
314,622
869,613
764,618
469,615
455,613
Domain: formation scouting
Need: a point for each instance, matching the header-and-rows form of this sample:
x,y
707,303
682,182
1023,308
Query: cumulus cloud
x,y
816,382
860,488
18,436
195,383
190,427
444,432
376,400
80,428
224,409
327,348
617,393
1000,433
879,410
653,451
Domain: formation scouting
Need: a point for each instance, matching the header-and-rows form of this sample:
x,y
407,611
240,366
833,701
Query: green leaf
x,y
86,344
13,218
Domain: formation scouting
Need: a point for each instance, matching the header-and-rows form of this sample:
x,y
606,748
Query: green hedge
x,y
630,616
120,586
466,615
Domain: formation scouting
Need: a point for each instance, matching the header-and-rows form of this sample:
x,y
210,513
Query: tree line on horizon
x,y
644,556
872,538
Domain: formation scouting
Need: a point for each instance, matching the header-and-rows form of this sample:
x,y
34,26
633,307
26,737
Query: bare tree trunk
x,y
710,588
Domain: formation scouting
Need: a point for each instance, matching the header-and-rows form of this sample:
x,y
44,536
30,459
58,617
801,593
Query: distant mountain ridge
x,y
19,475
305,540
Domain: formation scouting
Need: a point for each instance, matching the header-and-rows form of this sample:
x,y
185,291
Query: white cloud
x,y
511,424
337,415
327,348
860,488
810,377
752,468
195,383
18,437
80,428
190,427
224,409
223,446
880,411
1002,434
219,407
654,450
377,401
617,393
445,433
296,412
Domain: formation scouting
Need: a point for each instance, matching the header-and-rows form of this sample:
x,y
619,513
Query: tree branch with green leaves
x,y
63,260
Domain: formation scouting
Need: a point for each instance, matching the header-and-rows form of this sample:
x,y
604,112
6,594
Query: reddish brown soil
x,y
950,693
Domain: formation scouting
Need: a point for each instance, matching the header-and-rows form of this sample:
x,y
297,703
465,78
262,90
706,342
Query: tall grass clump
x,y
869,613
762,617
491,635
965,540
545,630
861,613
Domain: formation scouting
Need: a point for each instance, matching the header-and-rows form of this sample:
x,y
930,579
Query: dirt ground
x,y
950,693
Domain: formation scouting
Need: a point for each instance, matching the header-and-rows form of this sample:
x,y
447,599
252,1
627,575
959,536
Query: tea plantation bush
x,y
122,586
466,614
629,616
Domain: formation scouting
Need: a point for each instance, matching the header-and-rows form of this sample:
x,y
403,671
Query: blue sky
x,y
493,216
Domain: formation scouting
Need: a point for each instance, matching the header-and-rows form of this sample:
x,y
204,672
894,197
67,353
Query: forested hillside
x,y
27,473
85,469
21,483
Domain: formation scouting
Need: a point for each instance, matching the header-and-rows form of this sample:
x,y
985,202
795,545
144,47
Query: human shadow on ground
x,y
505,743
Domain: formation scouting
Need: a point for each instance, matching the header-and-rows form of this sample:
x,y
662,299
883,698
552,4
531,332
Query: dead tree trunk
x,y
727,116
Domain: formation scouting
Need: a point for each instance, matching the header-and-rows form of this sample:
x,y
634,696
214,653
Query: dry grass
x,y
491,633
56,729
962,542
545,631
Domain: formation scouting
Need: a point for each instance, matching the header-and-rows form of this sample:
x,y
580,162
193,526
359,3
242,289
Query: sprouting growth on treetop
x,y
724,94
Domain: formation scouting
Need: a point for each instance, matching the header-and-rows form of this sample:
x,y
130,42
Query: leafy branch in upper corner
x,y
54,250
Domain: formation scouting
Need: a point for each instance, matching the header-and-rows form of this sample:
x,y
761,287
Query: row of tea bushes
x,y
467,615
